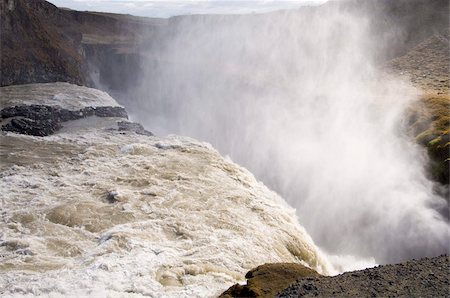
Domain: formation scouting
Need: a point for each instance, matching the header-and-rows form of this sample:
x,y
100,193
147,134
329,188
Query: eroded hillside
x,y
427,67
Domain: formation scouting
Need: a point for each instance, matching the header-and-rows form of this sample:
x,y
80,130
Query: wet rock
x,y
28,111
43,120
163,146
111,196
134,127
64,115
110,112
27,126
24,251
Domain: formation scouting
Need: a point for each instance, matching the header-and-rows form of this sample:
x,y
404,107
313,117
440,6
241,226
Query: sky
x,y
168,8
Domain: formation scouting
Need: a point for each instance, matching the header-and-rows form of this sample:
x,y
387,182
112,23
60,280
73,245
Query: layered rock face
x,y
34,49
64,45
46,118
101,208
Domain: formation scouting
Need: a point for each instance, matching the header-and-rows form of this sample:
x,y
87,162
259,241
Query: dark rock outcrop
x,y
113,68
109,112
28,126
428,277
111,196
134,127
42,120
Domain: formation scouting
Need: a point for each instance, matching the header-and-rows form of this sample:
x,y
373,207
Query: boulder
x,y
269,279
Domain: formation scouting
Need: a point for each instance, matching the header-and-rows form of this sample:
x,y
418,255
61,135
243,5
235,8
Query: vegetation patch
x,y
430,124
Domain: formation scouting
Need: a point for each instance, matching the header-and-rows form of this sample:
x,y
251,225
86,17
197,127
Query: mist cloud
x,y
298,99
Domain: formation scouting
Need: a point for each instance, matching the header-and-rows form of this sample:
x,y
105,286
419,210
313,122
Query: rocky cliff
x,y
42,43
33,49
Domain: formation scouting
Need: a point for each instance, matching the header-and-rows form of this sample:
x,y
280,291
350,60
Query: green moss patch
x,y
430,123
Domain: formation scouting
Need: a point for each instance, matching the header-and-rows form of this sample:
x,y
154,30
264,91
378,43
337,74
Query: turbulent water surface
x,y
93,211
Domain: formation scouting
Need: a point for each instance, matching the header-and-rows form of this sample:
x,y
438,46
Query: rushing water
x,y
91,211
301,100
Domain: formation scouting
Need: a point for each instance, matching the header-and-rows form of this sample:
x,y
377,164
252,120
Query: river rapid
x,y
93,211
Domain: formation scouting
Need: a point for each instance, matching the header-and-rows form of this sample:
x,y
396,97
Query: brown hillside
x,y
427,66
34,51
42,43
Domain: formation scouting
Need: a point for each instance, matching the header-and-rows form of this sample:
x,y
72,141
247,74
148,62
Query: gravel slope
x,y
428,277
